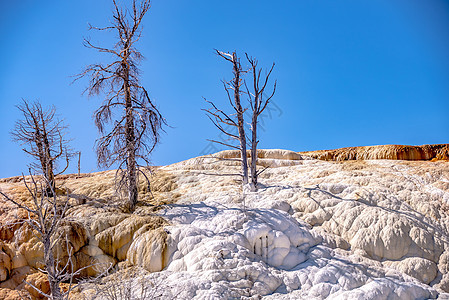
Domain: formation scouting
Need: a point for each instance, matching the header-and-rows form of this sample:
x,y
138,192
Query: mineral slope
x,y
316,229
395,152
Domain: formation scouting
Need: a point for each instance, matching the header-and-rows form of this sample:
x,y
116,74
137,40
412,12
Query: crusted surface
x,y
316,229
394,152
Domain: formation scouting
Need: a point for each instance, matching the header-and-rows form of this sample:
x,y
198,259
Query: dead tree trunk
x,y
254,143
258,105
221,119
79,163
49,165
237,69
130,137
50,267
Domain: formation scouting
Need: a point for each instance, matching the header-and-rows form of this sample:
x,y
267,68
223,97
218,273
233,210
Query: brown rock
x,y
94,265
104,220
8,294
18,275
6,232
40,281
9,284
33,250
16,278
149,249
18,260
73,238
114,238
8,249
396,152
5,266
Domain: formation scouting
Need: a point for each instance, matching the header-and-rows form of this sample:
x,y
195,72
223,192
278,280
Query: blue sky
x,y
349,73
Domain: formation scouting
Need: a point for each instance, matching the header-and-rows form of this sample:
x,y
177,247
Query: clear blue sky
x,y
350,73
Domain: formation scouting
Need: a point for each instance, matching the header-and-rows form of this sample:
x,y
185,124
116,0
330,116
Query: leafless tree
x,y
42,135
45,216
258,104
138,286
224,121
132,136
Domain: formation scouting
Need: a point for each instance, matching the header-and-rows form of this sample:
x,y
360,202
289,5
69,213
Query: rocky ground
x,y
353,229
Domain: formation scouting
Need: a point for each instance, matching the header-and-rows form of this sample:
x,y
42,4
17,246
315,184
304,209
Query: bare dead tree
x,y
224,121
139,286
133,135
258,104
45,216
43,137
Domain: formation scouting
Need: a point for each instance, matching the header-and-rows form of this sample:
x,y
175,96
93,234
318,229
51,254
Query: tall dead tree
x,y
225,122
258,102
133,135
42,136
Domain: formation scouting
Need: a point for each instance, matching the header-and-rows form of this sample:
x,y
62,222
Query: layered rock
x,y
395,152
96,235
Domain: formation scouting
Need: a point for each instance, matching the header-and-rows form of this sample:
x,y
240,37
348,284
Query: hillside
x,y
341,224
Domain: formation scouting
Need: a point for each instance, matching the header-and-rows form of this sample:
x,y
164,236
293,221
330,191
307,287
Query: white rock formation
x,y
315,230
376,229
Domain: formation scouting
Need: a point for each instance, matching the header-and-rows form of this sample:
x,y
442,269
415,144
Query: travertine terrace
x,y
320,226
